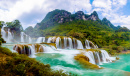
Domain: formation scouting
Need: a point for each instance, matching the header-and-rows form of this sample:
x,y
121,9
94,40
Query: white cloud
x,y
10,10
35,10
119,2
110,8
102,4
13,11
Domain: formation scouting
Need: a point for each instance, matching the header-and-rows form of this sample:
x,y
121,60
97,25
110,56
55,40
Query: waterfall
x,y
43,39
25,38
49,40
40,40
70,43
30,39
98,58
47,49
90,55
3,33
7,36
10,37
79,45
58,40
65,42
53,39
22,36
87,44
32,50
95,57
105,57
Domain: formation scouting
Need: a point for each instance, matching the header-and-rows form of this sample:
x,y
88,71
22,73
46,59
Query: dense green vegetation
x,y
1,24
102,32
52,18
14,26
29,31
12,64
95,31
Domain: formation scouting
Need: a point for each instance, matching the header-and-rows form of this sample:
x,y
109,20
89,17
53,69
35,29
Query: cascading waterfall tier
x,y
6,34
90,50
31,49
25,38
40,40
67,42
97,56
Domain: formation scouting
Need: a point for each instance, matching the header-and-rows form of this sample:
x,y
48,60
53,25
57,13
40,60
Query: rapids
x,y
63,59
59,52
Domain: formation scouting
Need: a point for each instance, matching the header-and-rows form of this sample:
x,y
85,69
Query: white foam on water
x,y
79,45
40,40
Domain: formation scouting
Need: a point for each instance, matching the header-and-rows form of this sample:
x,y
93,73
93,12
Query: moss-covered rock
x,y
84,61
51,44
93,50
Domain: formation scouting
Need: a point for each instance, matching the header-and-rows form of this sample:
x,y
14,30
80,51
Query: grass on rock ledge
x,y
84,61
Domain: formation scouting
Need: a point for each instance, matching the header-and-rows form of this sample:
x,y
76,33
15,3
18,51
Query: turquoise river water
x,y
65,62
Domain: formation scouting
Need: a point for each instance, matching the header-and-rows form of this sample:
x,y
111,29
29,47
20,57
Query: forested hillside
x,y
83,26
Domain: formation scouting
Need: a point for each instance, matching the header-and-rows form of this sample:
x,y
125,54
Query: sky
x,y
30,12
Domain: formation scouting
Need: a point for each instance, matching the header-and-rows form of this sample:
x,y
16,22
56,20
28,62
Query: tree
x,y
15,25
123,29
1,24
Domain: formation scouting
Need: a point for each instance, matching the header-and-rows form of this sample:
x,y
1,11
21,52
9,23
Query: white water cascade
x,y
7,36
106,58
3,33
22,36
99,57
65,42
40,40
95,57
32,51
25,38
48,49
87,44
90,55
49,40
10,36
30,39
68,43
79,45
58,40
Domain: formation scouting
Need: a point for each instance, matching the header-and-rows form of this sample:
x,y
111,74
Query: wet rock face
x,y
22,49
28,48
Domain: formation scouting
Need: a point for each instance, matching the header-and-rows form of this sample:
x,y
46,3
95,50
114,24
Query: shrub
x,y
22,65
